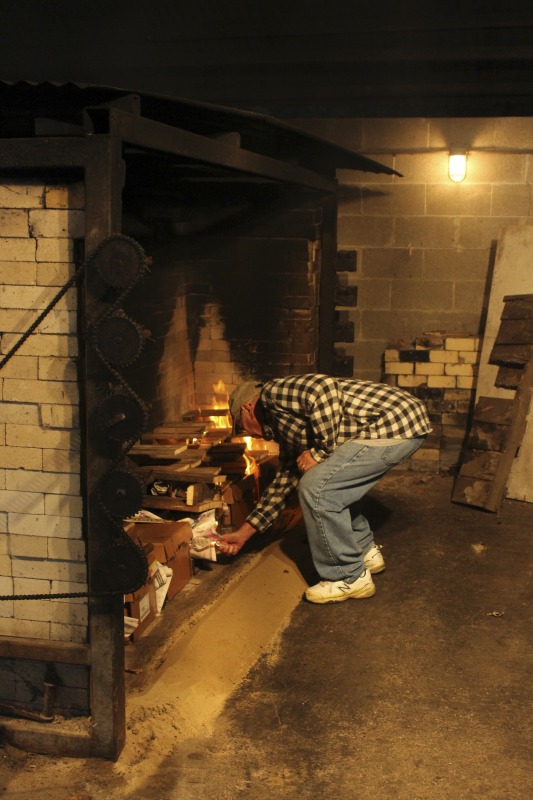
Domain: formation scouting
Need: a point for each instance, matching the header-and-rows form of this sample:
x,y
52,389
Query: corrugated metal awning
x,y
68,109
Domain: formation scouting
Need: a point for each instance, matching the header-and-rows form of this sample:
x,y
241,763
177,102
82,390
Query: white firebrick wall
x,y
41,546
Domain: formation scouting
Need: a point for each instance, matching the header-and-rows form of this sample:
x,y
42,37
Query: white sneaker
x,y
374,561
337,591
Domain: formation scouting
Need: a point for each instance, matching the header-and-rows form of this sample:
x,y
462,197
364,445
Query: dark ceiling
x,y
288,59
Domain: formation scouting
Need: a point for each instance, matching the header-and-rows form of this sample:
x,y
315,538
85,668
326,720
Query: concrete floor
x,y
422,692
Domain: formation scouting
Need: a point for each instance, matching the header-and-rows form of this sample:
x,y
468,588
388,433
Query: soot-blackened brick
x,y
346,261
419,356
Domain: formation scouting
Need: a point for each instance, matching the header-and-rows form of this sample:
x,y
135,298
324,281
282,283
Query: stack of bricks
x,y
440,369
42,550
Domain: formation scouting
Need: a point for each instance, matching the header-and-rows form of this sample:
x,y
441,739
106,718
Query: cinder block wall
x,y
425,246
41,547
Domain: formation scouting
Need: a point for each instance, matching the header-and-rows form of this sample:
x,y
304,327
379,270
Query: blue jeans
x,y
338,534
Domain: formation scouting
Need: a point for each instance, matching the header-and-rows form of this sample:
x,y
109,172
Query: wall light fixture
x,y
457,164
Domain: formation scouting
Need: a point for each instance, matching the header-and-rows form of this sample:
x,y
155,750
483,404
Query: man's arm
x,y
231,543
274,498
270,505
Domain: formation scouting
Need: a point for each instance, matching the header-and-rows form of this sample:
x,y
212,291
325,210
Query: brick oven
x,y
154,253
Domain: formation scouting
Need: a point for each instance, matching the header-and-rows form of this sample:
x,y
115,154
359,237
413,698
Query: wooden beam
x,y
34,737
104,176
326,300
169,139
44,650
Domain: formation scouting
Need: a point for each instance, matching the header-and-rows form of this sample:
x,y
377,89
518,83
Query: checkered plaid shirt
x,y
319,413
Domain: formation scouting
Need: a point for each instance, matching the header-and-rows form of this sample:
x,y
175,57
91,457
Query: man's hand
x,y
231,543
306,461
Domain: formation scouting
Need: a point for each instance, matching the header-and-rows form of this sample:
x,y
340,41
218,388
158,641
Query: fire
x,y
220,400
252,468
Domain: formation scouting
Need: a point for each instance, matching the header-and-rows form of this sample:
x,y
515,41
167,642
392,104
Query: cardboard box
x,y
141,605
240,498
168,543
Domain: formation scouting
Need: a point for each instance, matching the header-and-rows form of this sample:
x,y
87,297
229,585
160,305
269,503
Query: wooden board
x,y
495,410
226,449
206,412
183,428
510,354
521,479
472,491
509,377
171,504
179,475
498,428
163,438
159,451
520,308
488,436
515,331
512,276
481,465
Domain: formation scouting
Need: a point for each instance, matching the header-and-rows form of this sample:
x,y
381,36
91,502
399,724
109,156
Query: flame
x,y
220,391
220,400
223,421
252,467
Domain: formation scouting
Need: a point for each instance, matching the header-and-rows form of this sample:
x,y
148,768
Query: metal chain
x,y
45,313
126,446
55,596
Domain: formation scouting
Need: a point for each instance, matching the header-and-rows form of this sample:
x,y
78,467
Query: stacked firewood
x,y
186,465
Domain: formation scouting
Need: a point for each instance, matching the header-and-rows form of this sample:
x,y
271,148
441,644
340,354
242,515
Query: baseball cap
x,y
242,394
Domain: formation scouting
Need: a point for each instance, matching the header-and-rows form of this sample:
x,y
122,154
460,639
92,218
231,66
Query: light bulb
x,y
457,165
